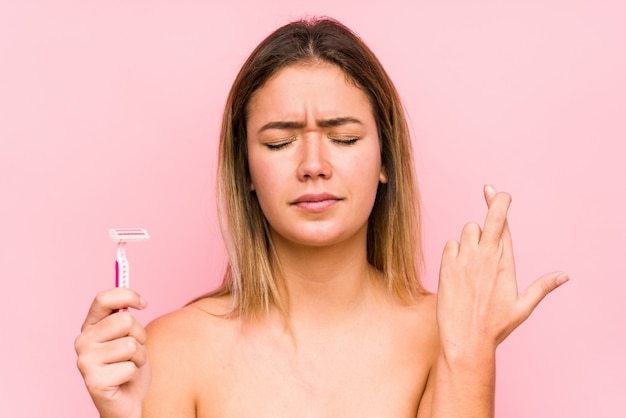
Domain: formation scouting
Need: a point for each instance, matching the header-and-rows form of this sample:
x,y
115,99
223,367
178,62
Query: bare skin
x,y
364,365
351,348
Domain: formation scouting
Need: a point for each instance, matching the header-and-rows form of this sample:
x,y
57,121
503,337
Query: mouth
x,y
316,202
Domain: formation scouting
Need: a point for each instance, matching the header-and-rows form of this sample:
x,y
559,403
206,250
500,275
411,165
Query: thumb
x,y
539,289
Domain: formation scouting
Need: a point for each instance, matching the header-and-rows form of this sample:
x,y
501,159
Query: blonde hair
x,y
393,237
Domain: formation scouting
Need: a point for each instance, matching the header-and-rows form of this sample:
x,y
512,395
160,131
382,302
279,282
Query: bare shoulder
x,y
419,320
198,317
420,313
414,326
180,344
191,333
426,307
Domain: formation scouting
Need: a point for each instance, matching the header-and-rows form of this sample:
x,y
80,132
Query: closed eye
x,y
280,143
344,140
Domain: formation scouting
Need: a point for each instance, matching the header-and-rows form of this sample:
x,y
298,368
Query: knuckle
x,y
84,364
125,322
545,289
141,335
130,345
101,298
78,343
82,343
128,369
142,357
471,227
127,348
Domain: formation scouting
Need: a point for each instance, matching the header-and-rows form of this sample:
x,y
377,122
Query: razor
x,y
122,236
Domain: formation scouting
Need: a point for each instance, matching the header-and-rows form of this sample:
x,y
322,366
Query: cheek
x,y
256,170
265,178
362,181
366,167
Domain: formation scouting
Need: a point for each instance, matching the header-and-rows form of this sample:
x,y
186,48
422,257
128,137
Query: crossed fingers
x,y
495,235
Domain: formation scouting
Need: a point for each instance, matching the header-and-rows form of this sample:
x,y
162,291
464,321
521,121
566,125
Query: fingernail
x,y
142,302
562,278
490,189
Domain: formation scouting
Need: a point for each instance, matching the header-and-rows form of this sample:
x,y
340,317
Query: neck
x,y
324,283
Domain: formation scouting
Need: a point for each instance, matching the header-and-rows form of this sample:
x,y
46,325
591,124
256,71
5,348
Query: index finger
x,y
109,301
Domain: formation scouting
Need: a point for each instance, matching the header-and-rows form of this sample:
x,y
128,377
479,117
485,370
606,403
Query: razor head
x,y
128,234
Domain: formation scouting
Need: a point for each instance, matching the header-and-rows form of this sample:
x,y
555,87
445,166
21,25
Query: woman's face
x,y
314,155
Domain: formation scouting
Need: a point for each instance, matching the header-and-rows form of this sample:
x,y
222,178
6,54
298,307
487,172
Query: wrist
x,y
135,413
478,354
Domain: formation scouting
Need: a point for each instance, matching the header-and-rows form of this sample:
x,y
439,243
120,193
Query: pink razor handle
x,y
122,271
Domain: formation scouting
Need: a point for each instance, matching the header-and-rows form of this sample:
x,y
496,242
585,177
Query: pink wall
x,y
109,113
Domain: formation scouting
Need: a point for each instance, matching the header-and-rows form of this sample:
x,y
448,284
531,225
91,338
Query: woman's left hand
x,y
478,300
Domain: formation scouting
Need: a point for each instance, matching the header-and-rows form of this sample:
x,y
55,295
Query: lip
x,y
316,202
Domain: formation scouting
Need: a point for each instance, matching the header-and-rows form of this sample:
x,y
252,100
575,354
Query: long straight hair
x,y
393,234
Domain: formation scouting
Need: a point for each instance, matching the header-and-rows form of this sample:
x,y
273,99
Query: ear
x,y
383,175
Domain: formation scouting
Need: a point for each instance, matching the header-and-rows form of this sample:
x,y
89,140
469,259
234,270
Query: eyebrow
x,y
324,123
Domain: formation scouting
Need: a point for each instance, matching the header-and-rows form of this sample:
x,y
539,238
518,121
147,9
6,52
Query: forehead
x,y
308,89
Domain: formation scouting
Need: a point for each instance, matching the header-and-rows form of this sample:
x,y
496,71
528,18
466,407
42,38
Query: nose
x,y
314,158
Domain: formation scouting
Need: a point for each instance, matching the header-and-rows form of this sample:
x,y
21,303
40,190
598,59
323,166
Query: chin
x,y
322,237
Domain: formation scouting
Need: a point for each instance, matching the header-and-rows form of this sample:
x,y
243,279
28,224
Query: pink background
x,y
109,114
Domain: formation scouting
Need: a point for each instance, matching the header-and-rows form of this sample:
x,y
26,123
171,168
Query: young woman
x,y
321,312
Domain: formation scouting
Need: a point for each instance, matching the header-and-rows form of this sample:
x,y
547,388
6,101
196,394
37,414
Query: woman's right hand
x,y
112,356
